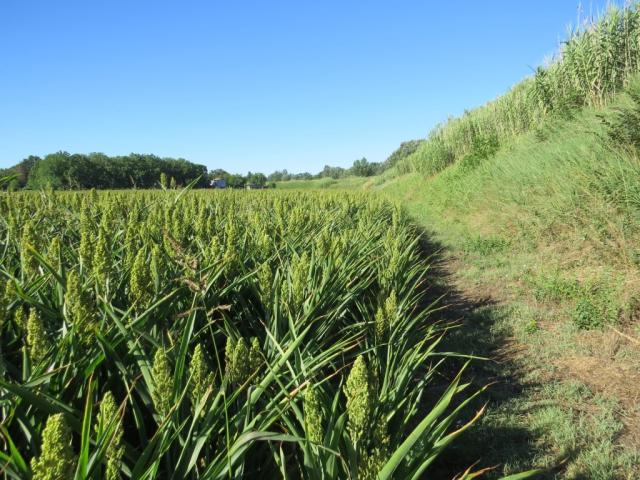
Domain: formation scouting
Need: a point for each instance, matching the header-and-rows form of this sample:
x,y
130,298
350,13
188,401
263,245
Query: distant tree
x,y
236,181
20,172
96,170
403,151
302,176
362,168
259,179
163,180
218,173
279,176
332,172
23,169
53,171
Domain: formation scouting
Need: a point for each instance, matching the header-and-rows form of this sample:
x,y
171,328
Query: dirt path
x,y
541,411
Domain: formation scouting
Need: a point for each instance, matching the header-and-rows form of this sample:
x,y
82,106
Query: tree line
x,y
63,170
360,168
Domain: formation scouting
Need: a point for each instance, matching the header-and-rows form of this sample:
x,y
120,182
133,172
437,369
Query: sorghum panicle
x,y
313,415
54,253
140,280
101,259
107,415
360,403
385,317
79,308
201,375
27,248
57,460
162,394
38,340
265,282
255,356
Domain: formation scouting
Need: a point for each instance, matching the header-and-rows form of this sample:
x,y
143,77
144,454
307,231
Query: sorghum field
x,y
200,334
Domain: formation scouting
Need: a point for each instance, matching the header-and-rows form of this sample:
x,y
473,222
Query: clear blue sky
x,y
258,85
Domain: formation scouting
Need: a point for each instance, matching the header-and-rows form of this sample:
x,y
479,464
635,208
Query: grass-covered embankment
x,y
541,241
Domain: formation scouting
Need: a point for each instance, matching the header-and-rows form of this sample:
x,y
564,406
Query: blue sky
x,y
257,85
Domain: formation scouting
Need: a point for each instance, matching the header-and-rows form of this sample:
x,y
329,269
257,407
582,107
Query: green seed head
x,y
241,360
241,365
214,252
371,463
265,282
157,265
37,339
391,266
101,259
360,402
201,375
54,253
230,257
20,319
162,394
385,316
202,221
264,243
130,240
27,248
391,306
313,415
375,457
108,420
140,281
381,325
79,309
56,460
255,355
179,225
228,358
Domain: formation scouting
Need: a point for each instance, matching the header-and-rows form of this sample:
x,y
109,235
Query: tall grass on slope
x,y
596,61
568,194
213,335
566,183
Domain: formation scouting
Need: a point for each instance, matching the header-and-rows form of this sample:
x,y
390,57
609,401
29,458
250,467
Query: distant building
x,y
218,183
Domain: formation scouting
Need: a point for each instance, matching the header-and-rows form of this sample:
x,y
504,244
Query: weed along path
x,y
560,398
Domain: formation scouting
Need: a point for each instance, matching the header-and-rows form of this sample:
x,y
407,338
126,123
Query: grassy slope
x,y
540,240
